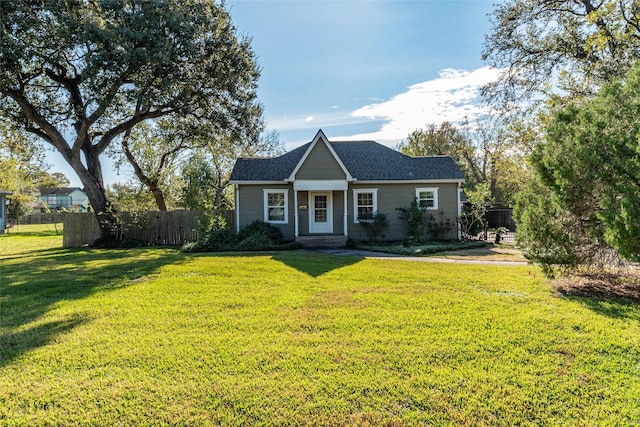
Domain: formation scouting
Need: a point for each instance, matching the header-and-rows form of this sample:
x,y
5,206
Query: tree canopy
x,y
490,154
80,74
560,46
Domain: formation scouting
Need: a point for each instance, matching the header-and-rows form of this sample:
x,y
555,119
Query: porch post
x,y
295,212
459,225
346,214
237,203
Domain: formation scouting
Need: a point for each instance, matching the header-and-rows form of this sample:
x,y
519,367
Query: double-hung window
x,y
365,203
276,205
427,198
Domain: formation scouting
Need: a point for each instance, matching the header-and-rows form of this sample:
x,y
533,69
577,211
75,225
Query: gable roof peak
x,y
320,136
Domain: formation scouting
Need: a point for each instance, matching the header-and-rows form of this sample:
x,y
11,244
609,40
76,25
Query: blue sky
x,y
365,69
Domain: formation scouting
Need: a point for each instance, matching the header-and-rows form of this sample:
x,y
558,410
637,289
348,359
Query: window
x,y
52,199
365,203
276,206
427,198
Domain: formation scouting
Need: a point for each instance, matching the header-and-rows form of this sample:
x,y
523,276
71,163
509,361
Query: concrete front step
x,y
320,241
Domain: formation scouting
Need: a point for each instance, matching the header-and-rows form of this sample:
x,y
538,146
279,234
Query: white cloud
x,y
451,97
309,119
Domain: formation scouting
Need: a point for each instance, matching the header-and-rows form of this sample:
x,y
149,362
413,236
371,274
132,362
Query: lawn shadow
x,y
32,285
615,296
616,308
315,264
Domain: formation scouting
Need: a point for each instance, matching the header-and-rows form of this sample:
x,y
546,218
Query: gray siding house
x,y
318,192
3,209
68,198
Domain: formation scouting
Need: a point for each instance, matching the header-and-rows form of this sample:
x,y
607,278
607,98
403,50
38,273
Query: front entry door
x,y
321,212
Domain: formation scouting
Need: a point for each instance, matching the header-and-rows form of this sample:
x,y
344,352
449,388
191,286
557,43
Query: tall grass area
x,y
160,337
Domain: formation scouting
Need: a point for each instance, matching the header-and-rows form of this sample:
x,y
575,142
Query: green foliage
x,y
588,174
374,225
256,236
422,225
81,76
257,227
473,217
203,185
490,152
568,47
158,336
413,216
128,197
438,228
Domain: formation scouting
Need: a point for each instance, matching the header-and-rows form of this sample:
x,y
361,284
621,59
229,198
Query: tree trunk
x,y
91,178
157,193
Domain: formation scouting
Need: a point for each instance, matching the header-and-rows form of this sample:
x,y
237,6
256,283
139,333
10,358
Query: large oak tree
x,y
79,74
567,47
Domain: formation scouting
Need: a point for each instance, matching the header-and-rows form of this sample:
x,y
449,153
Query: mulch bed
x,y
601,285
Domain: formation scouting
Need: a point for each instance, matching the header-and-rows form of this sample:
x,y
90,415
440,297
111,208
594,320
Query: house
x,y
318,193
3,209
70,198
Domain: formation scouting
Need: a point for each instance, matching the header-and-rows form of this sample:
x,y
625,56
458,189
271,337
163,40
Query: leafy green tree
x,y
576,45
203,189
153,150
130,197
589,177
206,173
80,74
490,153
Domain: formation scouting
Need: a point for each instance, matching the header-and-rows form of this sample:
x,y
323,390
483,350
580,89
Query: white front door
x,y
321,212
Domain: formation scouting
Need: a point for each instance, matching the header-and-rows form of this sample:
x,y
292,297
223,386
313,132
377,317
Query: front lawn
x,y
160,337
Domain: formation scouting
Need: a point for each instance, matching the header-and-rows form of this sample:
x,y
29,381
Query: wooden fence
x,y
39,218
155,228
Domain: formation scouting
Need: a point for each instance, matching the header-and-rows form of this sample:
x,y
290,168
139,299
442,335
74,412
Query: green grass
x,y
160,337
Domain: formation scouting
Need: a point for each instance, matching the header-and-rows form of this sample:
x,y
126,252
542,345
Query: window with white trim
x,y
427,198
365,203
276,206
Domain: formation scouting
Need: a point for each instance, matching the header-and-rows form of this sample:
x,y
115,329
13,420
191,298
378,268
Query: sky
x,y
360,69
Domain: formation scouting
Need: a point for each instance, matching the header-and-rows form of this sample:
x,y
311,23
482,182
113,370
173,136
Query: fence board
x,y
165,228
40,218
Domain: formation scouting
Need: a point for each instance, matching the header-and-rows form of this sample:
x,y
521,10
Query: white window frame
x,y
266,193
373,191
434,190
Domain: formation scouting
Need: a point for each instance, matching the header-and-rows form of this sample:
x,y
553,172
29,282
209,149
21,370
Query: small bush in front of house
x,y
422,226
214,240
375,225
257,236
261,228
438,228
413,216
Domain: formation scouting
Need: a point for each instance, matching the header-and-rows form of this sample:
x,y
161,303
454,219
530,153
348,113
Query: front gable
x,y
320,163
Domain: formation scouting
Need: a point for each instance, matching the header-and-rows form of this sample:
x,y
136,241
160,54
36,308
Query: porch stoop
x,y
323,241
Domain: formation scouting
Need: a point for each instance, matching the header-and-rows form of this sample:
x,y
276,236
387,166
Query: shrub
x,y
261,228
413,216
215,240
257,236
375,225
438,229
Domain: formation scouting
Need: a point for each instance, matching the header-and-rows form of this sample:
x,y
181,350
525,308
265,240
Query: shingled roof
x,y
58,190
365,161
